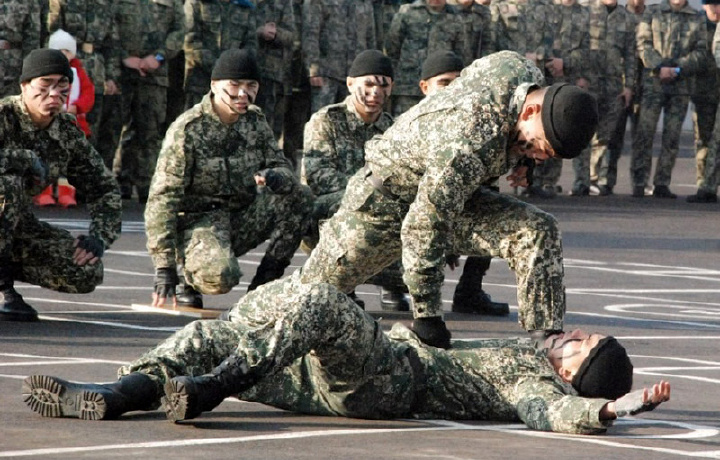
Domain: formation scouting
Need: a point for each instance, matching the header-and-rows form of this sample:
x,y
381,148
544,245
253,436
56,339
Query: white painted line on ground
x,y
678,376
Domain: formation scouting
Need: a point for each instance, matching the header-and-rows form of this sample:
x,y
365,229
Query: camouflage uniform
x,y
415,33
428,169
524,26
613,54
275,59
43,254
204,208
19,34
673,39
213,26
334,32
304,343
711,177
95,26
479,32
147,28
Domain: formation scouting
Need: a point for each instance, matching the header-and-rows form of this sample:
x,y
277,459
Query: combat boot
x,y
54,397
13,307
393,299
187,296
469,296
187,397
270,269
702,196
432,331
663,191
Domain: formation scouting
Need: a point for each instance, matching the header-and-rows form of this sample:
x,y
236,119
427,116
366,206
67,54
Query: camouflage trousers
x,y
108,134
41,254
674,108
144,109
606,165
711,176
332,92
304,343
703,122
363,237
548,172
212,241
271,99
610,111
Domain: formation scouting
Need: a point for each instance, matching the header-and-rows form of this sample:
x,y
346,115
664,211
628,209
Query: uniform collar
x,y
382,123
26,123
687,9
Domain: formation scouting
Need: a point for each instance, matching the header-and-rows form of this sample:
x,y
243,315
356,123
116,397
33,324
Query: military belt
x,y
377,184
5,45
87,48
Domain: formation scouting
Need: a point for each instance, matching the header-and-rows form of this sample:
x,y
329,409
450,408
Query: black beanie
x,y
440,62
606,373
236,64
711,2
44,61
570,118
371,62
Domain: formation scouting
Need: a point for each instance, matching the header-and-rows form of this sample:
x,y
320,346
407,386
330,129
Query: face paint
x,y
370,93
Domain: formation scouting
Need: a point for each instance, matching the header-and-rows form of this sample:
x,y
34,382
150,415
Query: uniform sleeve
x,y
176,35
716,47
630,49
320,158
285,34
651,58
275,159
312,18
487,36
112,51
543,406
195,55
695,60
32,30
55,19
250,42
394,39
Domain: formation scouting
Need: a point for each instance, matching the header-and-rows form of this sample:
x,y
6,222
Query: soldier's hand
x,y
88,250
110,88
317,81
452,261
667,74
38,172
626,96
643,400
269,178
518,177
166,279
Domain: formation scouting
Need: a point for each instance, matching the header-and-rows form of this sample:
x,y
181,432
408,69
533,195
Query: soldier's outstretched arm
x,y
636,402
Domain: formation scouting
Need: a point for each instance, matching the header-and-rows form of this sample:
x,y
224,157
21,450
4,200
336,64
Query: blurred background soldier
x,y
416,31
212,26
20,30
151,32
479,30
671,40
524,26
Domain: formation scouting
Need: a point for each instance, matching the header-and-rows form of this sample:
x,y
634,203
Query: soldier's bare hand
x,y
149,64
110,88
83,256
518,177
259,180
317,81
667,74
626,96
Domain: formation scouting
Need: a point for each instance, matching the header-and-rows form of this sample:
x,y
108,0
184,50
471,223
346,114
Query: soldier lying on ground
x,y
311,349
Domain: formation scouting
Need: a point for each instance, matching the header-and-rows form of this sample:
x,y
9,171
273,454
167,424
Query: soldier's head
x,y
609,2
370,82
555,121
45,84
636,6
568,2
483,2
677,5
235,82
436,5
712,9
465,3
439,70
597,366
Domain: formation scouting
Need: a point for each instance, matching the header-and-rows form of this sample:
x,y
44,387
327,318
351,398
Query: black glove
x,y
273,180
452,261
165,281
432,331
632,404
91,244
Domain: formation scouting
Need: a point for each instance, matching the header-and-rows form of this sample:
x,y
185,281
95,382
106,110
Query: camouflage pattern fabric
x,y
213,26
432,162
711,176
414,34
204,202
304,343
524,26
674,39
20,30
44,253
479,32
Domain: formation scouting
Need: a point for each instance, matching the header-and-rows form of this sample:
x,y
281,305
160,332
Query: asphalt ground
x,y
645,270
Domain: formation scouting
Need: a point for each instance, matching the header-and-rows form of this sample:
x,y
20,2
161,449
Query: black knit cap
x,y
711,2
440,62
570,118
44,61
371,62
236,64
606,373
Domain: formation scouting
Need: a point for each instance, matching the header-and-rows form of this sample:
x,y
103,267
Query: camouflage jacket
x,y
148,27
205,164
213,26
436,155
667,38
706,83
334,32
334,146
275,57
572,40
414,34
95,24
19,34
612,49
524,26
479,32
65,152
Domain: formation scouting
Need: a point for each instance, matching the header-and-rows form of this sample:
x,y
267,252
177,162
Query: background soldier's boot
x,y
432,331
393,299
702,196
187,296
187,397
55,397
469,296
270,269
12,306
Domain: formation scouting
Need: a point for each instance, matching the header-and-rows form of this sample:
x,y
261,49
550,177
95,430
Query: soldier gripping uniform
x,y
20,31
672,44
297,347
418,30
204,208
213,26
421,188
35,136
151,32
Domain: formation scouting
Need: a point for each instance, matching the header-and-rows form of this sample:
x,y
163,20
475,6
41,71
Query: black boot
x,y
12,307
469,296
270,269
432,331
393,299
54,397
187,397
187,296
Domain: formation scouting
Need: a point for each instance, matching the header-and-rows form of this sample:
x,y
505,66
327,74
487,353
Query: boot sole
x,y
178,402
54,397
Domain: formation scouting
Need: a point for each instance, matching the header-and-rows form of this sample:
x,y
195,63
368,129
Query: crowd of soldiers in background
x,y
151,59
